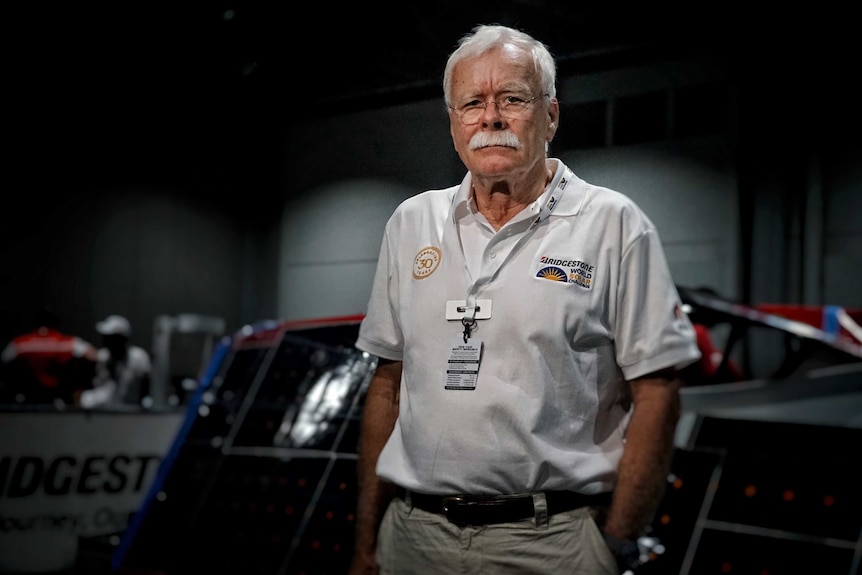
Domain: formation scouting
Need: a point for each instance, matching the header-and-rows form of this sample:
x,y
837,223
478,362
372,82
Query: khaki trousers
x,y
412,541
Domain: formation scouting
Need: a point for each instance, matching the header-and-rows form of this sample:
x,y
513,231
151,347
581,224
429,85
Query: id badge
x,y
463,367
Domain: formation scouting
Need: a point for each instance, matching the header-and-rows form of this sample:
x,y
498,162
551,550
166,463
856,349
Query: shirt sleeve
x,y
380,332
652,330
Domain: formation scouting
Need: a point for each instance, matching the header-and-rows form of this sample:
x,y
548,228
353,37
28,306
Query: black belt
x,y
485,510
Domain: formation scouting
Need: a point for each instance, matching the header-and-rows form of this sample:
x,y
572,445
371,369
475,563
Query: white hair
x,y
485,139
486,37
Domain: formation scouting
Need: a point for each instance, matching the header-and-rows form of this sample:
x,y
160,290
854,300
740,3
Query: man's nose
x,y
492,117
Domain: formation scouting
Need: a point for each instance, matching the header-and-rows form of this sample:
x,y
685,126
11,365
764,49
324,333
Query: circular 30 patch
x,y
426,262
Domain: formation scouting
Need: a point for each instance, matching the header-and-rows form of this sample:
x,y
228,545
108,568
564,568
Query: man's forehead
x,y
494,69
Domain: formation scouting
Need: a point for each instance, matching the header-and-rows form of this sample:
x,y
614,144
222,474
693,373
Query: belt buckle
x,y
451,505
453,501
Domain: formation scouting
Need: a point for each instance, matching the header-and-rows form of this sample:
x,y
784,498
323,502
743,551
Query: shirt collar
x,y
569,205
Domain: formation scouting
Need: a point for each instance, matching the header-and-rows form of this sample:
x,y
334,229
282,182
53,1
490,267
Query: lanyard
x,y
469,319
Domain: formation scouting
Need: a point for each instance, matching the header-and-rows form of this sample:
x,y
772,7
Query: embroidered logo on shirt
x,y
565,270
552,273
426,262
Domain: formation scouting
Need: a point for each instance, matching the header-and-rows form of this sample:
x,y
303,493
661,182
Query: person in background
x,y
46,366
528,333
124,370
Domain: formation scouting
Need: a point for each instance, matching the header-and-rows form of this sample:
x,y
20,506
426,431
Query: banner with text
x,y
65,475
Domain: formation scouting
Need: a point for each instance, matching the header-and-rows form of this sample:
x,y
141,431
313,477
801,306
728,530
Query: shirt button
x,y
492,255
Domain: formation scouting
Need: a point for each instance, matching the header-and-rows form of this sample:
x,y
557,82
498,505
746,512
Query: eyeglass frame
x,y
483,105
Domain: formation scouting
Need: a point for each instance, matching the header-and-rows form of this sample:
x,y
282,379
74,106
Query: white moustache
x,y
486,139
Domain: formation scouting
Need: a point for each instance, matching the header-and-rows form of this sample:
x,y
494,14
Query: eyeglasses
x,y
511,107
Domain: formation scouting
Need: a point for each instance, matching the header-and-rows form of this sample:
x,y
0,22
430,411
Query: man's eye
x,y
472,104
514,100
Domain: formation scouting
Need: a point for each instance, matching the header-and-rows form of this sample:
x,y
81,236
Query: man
x,y
528,331
45,365
124,370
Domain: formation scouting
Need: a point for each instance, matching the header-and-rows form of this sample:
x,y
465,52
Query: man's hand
x,y
625,551
363,563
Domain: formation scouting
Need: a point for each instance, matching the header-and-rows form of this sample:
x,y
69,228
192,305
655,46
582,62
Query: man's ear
x,y
552,131
554,114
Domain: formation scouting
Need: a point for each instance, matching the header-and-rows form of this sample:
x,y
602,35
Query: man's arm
x,y
378,420
647,455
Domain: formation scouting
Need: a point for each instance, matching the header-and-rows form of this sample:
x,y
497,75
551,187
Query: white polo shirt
x,y
580,298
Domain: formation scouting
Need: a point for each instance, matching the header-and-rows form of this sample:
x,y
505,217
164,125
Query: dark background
x,y
195,102
204,93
